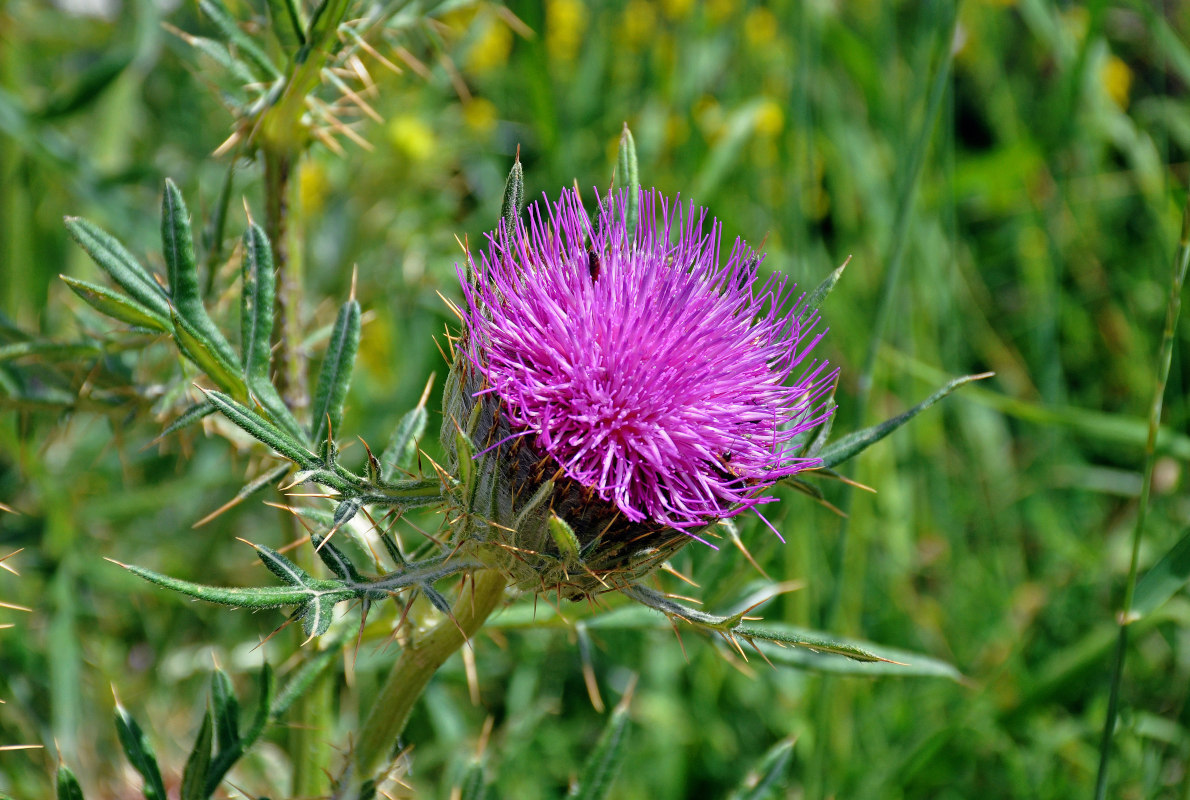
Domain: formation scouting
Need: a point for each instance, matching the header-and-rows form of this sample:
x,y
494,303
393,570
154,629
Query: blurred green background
x,y
1036,241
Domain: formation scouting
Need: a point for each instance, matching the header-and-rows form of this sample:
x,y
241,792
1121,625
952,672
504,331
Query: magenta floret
x,y
670,383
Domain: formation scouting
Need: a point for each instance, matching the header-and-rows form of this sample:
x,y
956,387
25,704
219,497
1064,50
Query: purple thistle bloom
x,y
672,385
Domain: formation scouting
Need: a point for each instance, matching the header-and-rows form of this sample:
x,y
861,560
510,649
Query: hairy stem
x,y
417,665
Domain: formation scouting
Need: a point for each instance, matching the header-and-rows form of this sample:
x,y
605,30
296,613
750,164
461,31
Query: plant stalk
x,y
1165,358
417,665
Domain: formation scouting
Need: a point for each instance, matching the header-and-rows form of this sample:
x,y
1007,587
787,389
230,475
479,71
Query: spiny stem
x,y
417,665
1172,312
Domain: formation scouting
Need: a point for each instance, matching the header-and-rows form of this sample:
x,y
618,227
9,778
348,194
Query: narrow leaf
x,y
628,173
595,781
820,293
264,695
263,431
68,785
194,776
226,712
111,256
188,417
857,442
335,376
197,347
252,597
282,567
242,41
287,24
474,785
316,615
177,243
514,198
1163,580
116,305
402,445
303,678
769,775
256,306
335,560
140,754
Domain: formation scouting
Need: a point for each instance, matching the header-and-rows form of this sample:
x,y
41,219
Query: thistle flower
x,y
661,387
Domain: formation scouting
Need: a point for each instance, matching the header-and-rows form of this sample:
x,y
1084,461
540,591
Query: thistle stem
x,y
417,665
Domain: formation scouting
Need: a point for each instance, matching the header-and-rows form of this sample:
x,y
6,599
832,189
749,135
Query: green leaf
x,y
770,774
88,86
68,785
140,754
242,41
226,712
820,293
195,345
316,615
628,173
116,305
514,198
194,776
111,256
335,376
177,243
282,567
805,649
264,694
287,24
599,771
1163,580
335,560
857,442
402,445
264,431
49,351
564,538
259,597
303,678
256,306
474,785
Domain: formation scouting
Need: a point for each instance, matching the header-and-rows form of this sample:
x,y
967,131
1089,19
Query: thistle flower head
x,y
663,379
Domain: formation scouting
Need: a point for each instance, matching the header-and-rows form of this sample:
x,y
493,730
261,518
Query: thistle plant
x,y
622,385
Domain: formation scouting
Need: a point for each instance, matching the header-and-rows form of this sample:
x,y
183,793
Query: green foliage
x,y
998,536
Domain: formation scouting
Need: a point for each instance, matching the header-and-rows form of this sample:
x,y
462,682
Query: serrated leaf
x,y
264,431
1163,580
195,345
402,445
599,771
194,776
857,442
628,174
140,754
112,257
335,376
770,773
235,36
117,306
177,244
514,198
68,785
